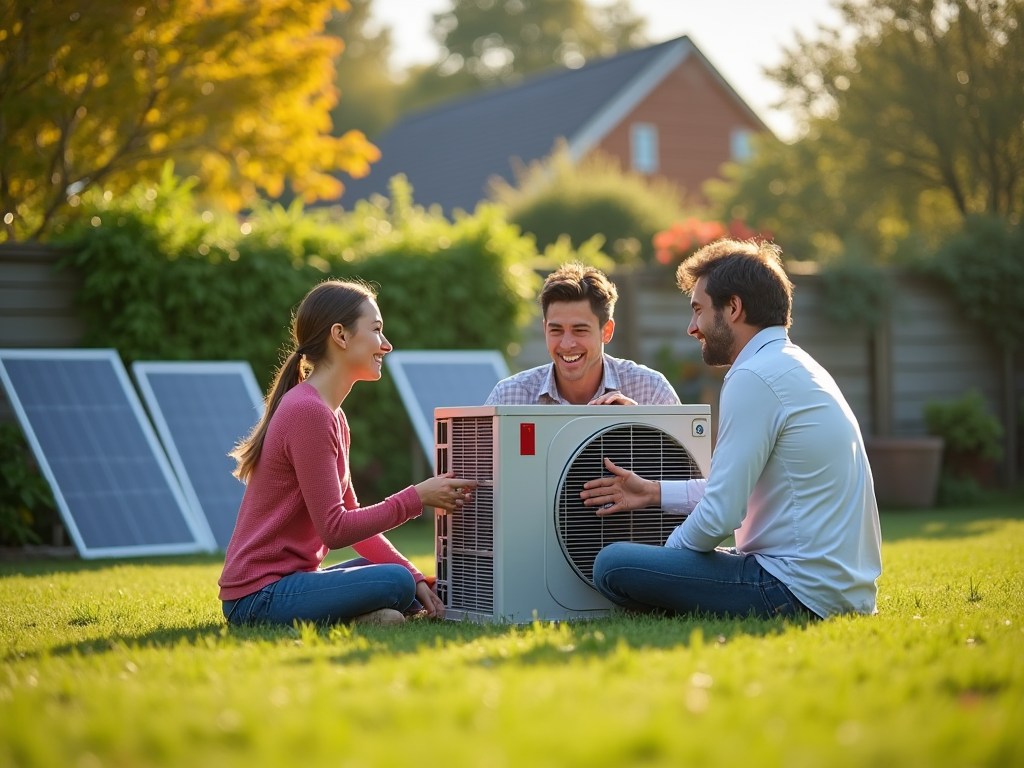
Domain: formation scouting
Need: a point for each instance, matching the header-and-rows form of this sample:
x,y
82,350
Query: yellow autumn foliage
x,y
105,91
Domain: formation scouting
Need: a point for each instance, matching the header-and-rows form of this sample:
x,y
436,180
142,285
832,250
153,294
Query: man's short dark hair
x,y
746,268
574,281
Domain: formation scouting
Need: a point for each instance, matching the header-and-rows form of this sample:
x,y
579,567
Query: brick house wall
x,y
696,116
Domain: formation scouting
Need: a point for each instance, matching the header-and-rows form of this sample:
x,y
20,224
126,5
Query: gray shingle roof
x,y
448,153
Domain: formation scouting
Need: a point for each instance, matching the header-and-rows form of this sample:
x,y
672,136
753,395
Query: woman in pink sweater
x,y
299,503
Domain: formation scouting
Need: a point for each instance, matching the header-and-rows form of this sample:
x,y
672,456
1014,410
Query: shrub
x,y
958,491
27,508
589,252
165,281
972,441
557,197
966,425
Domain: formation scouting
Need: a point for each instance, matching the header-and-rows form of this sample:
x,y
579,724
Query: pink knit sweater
x,y
299,503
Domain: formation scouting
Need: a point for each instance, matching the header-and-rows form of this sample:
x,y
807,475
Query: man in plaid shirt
x,y
578,303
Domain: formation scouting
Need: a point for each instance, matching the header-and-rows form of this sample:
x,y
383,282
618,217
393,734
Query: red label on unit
x,y
527,440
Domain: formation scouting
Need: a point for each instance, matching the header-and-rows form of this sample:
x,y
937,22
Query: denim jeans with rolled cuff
x,y
723,582
337,593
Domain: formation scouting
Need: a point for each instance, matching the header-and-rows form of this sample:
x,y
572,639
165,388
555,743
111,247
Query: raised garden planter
x,y
905,470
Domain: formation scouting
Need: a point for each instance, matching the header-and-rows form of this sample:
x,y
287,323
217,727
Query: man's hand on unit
x,y
623,490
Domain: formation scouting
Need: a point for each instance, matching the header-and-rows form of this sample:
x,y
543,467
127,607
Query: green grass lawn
x,y
129,663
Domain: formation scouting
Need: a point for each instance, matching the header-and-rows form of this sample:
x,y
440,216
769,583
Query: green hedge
x,y
163,280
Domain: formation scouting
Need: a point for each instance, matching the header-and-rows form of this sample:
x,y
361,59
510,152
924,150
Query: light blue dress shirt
x,y
790,478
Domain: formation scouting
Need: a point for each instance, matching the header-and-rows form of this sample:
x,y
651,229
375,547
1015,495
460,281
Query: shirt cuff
x,y
679,497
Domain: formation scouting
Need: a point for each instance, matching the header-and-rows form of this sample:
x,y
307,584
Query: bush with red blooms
x,y
684,237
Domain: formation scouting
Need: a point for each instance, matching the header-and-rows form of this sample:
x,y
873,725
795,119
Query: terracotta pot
x,y
905,469
971,464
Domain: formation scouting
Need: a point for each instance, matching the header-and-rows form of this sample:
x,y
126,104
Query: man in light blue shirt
x,y
578,307
789,476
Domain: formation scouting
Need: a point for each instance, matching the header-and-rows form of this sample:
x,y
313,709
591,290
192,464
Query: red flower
x,y
739,230
664,240
684,237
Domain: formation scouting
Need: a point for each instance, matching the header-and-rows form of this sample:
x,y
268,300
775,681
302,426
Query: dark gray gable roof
x,y
450,152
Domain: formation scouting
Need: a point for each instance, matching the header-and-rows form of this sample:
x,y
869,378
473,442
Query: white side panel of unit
x,y
520,502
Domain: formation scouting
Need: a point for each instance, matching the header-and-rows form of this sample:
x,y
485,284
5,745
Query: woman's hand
x,y
623,490
445,491
431,603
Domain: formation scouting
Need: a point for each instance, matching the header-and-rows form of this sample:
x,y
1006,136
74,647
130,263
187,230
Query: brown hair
x,y
574,281
749,269
330,302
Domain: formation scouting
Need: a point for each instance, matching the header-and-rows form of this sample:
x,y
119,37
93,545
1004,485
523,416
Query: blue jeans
x,y
328,595
723,582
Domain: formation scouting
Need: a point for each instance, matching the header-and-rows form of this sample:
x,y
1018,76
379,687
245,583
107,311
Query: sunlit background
x,y
740,37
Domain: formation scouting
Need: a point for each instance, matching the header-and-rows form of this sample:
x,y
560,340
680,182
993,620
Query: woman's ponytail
x,y
248,451
330,302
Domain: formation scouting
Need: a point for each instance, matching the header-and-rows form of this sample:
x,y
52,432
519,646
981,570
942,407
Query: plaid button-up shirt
x,y
536,386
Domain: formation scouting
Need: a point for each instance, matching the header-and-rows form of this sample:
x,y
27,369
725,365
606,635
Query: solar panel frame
x,y
143,372
202,539
422,421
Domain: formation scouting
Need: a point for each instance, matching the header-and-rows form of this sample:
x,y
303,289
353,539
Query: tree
x,y
818,202
105,91
368,93
497,41
932,89
915,108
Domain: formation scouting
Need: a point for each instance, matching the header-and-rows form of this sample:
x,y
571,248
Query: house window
x,y
740,147
643,147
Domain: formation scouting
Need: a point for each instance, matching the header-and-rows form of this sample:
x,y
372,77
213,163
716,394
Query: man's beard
x,y
718,342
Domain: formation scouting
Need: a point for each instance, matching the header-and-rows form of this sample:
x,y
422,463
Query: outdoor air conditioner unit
x,y
525,546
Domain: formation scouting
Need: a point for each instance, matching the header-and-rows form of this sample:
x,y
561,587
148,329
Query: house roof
x,y
448,153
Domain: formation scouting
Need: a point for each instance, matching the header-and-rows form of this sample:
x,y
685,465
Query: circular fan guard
x,y
648,451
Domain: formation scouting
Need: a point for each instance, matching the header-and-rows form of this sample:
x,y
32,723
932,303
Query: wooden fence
x,y
37,303
922,351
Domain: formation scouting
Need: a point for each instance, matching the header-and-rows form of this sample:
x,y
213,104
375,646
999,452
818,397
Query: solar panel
x,y
111,480
201,410
430,379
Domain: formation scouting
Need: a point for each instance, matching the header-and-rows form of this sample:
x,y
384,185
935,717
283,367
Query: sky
x,y
739,37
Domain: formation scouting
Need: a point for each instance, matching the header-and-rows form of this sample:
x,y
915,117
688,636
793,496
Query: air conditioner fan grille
x,y
470,542
649,452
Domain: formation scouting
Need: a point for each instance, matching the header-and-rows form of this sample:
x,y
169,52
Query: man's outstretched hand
x,y
623,490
